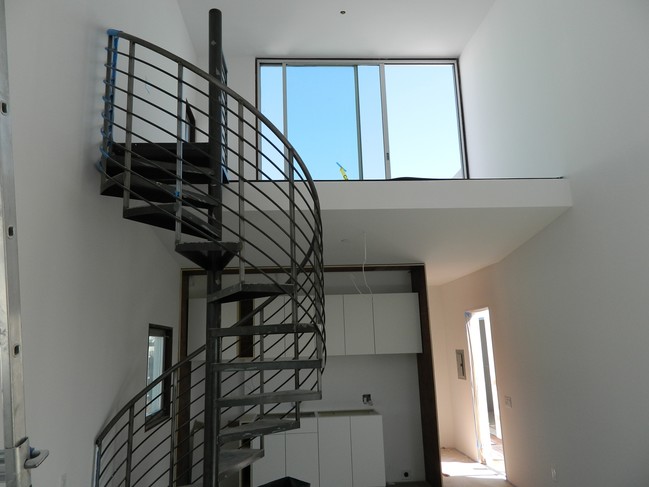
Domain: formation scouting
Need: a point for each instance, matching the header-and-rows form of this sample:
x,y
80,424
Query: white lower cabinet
x,y
367,451
332,450
302,457
335,451
273,465
291,454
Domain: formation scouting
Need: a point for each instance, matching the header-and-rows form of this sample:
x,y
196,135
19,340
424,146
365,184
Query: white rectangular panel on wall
x,y
302,457
359,324
273,464
397,326
335,324
367,451
334,444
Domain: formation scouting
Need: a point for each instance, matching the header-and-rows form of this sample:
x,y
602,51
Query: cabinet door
x,y
302,457
335,324
397,327
359,324
367,451
334,445
273,464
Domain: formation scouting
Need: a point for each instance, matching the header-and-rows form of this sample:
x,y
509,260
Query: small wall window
x,y
159,360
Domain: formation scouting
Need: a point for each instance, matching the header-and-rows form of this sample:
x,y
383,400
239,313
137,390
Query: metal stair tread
x,y
164,172
269,398
231,461
201,253
243,290
256,428
279,329
197,153
163,216
249,364
147,189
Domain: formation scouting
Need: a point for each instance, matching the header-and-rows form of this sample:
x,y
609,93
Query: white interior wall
x,y
443,369
463,295
90,282
560,87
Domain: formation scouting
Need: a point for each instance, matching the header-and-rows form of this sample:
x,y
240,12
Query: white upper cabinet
x,y
363,324
396,323
359,324
335,324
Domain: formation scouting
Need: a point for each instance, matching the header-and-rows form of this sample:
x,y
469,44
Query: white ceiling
x,y
455,227
316,28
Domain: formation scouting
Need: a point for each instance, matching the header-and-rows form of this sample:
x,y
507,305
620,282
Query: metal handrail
x,y
213,80
289,238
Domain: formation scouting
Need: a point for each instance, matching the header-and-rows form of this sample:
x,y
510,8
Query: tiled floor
x,y
461,471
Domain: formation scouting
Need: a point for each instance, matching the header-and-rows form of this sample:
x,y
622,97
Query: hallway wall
x,y
560,86
90,282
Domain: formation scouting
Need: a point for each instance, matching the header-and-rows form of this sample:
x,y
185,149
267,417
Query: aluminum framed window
x,y
159,352
366,119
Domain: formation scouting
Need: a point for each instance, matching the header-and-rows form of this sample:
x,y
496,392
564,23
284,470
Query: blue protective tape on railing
x,y
110,99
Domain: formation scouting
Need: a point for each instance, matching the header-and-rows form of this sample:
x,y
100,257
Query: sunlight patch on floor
x,y
463,469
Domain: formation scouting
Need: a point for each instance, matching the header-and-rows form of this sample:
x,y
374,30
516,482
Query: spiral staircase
x,y
184,154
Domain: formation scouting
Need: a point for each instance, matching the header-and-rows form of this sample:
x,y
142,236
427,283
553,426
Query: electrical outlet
x,y
64,480
508,402
553,473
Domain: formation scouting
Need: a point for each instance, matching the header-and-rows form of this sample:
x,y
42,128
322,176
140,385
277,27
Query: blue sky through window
x,y
335,115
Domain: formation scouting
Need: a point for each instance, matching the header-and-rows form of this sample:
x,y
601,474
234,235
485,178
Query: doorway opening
x,y
486,408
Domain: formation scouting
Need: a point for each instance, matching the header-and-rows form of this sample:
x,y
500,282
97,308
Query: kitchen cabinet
x,y
364,324
331,448
302,452
396,323
293,453
367,451
359,324
272,465
335,324
335,451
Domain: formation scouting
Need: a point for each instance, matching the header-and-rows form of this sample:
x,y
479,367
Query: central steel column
x,y
213,350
